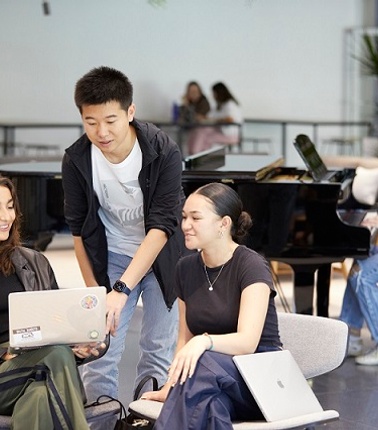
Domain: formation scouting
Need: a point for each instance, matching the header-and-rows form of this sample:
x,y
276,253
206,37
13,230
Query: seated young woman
x,y
195,105
226,305
224,118
41,388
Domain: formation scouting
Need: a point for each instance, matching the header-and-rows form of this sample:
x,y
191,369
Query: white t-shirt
x,y
228,109
121,200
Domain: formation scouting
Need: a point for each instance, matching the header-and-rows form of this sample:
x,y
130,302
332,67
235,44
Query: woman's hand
x,y
185,362
8,356
84,351
158,396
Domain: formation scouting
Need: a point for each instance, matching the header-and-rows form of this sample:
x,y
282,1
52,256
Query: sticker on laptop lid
x,y
94,334
89,301
26,335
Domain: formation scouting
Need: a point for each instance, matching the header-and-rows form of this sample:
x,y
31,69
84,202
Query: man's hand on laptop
x,y
115,302
91,349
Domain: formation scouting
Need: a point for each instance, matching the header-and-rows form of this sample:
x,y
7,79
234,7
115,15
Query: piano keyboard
x,y
353,217
363,218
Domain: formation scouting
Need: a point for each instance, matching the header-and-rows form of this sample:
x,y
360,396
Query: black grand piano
x,y
296,220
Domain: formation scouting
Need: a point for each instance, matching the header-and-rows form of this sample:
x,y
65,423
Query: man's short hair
x,y
102,85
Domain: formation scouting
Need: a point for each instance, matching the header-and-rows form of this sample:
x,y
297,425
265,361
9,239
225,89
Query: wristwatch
x,y
121,287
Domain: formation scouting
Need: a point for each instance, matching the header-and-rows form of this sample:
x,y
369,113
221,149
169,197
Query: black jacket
x,y
160,181
33,270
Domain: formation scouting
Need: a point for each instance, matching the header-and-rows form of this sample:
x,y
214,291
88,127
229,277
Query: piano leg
x,y
304,290
304,282
322,289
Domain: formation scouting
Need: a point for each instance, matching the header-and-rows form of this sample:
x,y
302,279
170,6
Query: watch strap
x,y
121,287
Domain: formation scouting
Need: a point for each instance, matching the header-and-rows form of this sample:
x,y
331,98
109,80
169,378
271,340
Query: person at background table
x,y
226,308
123,203
41,388
195,105
227,111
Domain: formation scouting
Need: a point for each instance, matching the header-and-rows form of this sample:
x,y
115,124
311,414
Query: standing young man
x,y
123,203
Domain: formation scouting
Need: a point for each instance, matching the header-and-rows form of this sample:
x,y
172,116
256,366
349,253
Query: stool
x,y
344,145
256,141
342,268
35,149
41,149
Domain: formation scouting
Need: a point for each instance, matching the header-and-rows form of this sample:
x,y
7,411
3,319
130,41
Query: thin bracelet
x,y
211,341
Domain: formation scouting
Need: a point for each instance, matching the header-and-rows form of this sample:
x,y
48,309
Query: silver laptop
x,y
53,317
277,384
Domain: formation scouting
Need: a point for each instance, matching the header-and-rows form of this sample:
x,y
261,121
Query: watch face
x,y
119,286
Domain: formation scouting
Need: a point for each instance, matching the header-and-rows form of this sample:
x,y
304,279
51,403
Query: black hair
x,y
222,93
102,85
227,202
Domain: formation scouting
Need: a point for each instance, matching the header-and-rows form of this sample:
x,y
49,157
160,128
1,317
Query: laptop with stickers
x,y
277,384
54,317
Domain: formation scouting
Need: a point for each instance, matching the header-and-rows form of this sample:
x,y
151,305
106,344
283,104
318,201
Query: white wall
x,y
280,58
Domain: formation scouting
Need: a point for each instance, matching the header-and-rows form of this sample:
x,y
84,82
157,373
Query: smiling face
x,y
108,127
200,224
7,212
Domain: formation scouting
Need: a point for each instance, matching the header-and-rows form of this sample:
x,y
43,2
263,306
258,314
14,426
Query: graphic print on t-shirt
x,y
121,200
124,202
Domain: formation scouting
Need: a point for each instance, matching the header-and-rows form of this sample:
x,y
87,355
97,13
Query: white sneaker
x,y
354,346
369,359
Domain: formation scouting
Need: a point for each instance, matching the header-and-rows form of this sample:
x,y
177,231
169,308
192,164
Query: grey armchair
x,y
318,344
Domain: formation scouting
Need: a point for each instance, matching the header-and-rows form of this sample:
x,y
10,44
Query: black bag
x,y
134,421
104,399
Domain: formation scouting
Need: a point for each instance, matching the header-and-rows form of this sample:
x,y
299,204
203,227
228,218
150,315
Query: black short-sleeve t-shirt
x,y
9,284
217,311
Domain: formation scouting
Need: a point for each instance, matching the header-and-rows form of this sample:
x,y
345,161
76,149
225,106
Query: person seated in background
x,y
195,105
40,388
360,305
227,111
226,308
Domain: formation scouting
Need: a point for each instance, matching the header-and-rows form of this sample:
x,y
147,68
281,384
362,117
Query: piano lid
x,y
294,216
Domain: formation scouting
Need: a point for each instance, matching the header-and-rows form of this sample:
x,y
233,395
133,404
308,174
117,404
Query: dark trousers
x,y
211,399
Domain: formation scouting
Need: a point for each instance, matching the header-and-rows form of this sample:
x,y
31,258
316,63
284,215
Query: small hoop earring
x,y
221,233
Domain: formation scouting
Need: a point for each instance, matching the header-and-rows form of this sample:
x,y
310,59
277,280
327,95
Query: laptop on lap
x,y
56,317
277,384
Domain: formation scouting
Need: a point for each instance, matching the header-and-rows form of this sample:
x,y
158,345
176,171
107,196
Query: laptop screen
x,y
277,384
